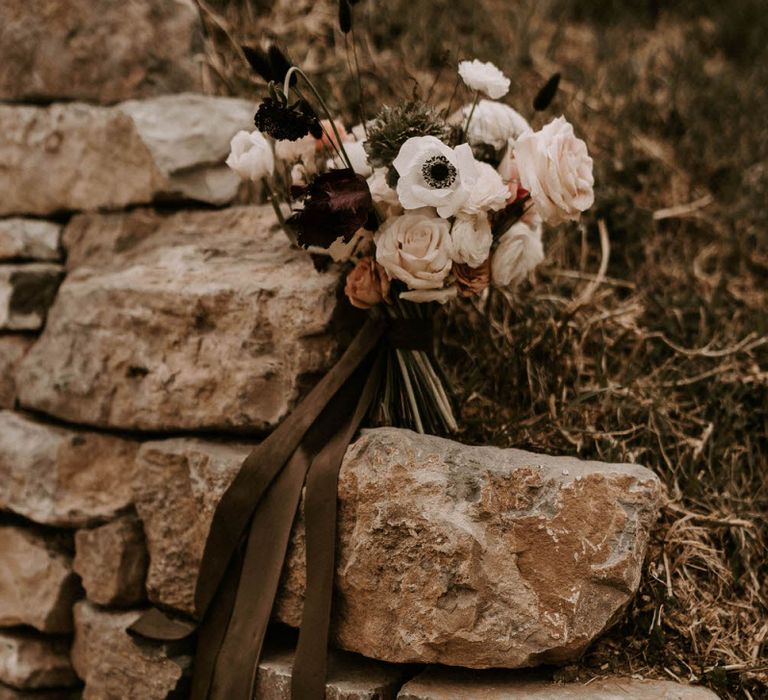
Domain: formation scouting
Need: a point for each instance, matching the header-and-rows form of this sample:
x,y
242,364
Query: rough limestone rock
x,y
61,477
82,157
112,562
469,556
37,585
114,666
202,319
26,292
446,684
12,350
97,50
29,239
350,677
30,661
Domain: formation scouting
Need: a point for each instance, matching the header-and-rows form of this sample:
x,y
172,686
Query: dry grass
x,y
644,337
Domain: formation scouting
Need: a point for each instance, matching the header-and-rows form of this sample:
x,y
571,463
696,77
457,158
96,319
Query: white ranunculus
x,y
485,78
441,296
251,155
518,252
357,155
471,240
556,169
434,175
494,123
416,249
303,149
385,198
487,192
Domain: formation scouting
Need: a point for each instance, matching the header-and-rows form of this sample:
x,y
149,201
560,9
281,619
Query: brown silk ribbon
x,y
248,540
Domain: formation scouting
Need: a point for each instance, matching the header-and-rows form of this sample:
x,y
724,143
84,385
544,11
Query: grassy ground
x,y
644,336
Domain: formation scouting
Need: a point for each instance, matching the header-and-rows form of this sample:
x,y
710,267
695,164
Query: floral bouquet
x,y
422,205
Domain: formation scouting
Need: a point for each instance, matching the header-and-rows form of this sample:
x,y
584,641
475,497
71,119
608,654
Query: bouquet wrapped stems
x,y
414,392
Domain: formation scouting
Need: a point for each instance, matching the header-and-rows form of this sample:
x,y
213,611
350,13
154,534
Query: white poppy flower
x,y
493,123
485,78
416,249
434,175
518,252
471,240
555,167
251,155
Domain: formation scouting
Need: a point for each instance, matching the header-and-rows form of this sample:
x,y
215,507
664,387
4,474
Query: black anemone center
x,y
438,172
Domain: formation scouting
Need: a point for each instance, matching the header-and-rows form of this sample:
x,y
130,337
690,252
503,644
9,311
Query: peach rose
x,y
472,280
367,284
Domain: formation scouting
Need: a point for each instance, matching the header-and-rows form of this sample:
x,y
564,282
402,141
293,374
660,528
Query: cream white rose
x,y
518,252
487,192
493,123
485,78
556,169
416,249
434,175
471,240
251,155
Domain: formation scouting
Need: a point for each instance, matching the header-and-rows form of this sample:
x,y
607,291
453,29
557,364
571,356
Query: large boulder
x,y
200,319
26,292
97,50
37,585
57,476
32,661
82,157
468,556
445,684
114,666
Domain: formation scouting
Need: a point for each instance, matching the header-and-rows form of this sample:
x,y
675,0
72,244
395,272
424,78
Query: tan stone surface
x,y
449,554
96,50
193,320
115,667
37,586
62,477
350,677
26,292
12,350
445,684
112,562
32,661
29,239
82,157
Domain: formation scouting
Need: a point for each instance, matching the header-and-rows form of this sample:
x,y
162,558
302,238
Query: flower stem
x,y
273,200
359,84
469,118
318,97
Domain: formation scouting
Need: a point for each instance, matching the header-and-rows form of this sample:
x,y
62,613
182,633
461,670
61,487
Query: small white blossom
x,y
487,192
484,77
471,239
251,156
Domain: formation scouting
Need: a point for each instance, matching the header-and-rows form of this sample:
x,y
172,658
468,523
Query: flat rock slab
x,y
56,476
194,320
350,677
114,667
32,661
97,50
444,684
26,292
467,556
12,350
37,585
112,562
29,239
74,156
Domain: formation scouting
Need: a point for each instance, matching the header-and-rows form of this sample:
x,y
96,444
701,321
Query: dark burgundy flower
x,y
336,204
289,122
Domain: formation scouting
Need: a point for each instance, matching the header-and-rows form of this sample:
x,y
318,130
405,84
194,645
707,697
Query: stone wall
x,y
152,327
